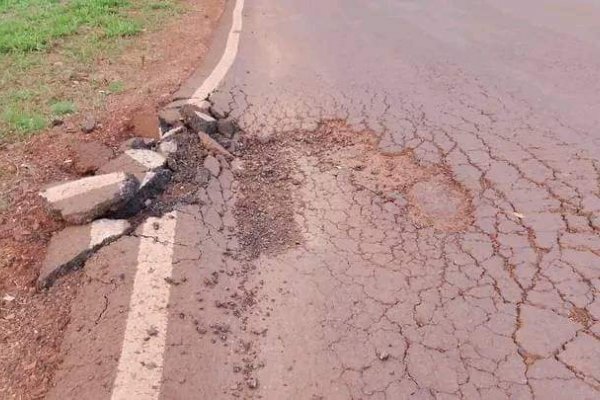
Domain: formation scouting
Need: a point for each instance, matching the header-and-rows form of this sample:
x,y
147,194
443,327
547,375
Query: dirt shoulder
x,y
31,322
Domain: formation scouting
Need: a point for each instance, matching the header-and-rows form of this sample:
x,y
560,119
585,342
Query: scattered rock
x,y
70,247
169,117
137,143
212,145
167,148
154,182
218,112
202,105
171,133
202,176
226,127
83,200
383,356
212,164
252,383
89,124
264,138
199,121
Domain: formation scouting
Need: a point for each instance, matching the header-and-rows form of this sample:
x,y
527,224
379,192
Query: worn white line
x,y
227,59
139,373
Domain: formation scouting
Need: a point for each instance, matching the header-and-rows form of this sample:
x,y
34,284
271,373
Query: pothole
x,y
440,203
430,195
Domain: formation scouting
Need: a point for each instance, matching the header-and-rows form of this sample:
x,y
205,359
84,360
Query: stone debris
x,y
212,145
167,148
169,117
83,200
226,127
70,247
154,182
89,124
137,143
201,105
199,121
252,383
171,133
212,164
125,184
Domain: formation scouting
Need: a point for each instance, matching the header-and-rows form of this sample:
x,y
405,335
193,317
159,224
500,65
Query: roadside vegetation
x,y
52,52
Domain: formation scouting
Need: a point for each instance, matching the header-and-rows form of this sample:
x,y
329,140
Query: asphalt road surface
x,y
418,218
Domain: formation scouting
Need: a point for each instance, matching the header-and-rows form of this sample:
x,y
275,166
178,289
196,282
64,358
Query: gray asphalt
x,y
505,97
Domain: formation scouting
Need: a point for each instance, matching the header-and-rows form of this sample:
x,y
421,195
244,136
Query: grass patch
x,y
121,27
22,121
46,46
62,108
116,87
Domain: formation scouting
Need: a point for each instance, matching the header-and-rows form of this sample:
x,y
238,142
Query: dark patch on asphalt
x,y
265,206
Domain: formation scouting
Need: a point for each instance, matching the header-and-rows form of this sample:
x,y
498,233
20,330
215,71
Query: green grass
x,y
23,121
45,44
62,108
35,24
116,87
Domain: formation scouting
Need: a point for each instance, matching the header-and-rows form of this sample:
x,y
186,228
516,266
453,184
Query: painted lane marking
x,y
139,373
227,59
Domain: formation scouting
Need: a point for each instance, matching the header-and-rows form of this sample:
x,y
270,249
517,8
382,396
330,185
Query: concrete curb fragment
x,y
72,246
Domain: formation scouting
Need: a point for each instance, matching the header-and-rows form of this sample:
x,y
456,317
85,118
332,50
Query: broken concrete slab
x,y
73,245
148,167
199,121
83,200
154,182
137,162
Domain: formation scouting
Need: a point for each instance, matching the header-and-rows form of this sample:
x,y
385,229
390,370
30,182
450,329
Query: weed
x,y
116,87
62,107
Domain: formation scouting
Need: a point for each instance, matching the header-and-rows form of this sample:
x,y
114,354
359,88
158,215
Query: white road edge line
x,y
140,369
227,59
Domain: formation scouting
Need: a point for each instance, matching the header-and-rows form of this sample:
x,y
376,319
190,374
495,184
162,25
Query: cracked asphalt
x,y
415,214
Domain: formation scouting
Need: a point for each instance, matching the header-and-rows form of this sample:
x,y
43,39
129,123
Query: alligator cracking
x,y
315,266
